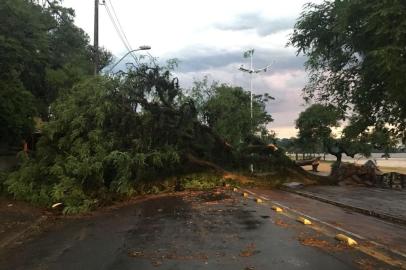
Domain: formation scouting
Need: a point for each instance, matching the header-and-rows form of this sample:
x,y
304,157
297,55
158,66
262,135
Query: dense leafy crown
x,y
357,59
42,53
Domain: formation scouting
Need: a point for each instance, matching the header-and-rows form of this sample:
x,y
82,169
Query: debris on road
x,y
249,251
322,244
294,185
281,223
365,264
56,205
136,254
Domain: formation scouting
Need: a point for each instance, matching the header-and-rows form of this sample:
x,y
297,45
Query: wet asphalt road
x,y
191,230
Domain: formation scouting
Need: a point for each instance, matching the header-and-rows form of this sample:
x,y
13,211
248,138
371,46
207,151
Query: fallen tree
x,y
349,173
315,162
108,136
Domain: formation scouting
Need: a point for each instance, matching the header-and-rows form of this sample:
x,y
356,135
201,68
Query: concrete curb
x,y
364,211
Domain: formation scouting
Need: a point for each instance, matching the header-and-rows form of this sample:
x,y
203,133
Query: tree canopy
x,y
226,109
316,125
42,53
356,53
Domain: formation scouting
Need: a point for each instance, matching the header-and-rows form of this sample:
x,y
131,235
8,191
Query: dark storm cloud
x,y
254,21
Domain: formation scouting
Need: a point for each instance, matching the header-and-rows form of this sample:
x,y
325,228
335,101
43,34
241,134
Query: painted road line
x,y
343,238
303,220
329,225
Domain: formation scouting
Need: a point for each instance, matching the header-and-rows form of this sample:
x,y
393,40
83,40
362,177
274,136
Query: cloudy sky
x,y
209,38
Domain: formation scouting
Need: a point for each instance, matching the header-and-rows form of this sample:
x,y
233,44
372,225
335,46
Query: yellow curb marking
x,y
303,220
346,239
276,208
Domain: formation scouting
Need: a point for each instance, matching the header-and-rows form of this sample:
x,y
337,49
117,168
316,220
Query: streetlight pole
x,y
141,48
252,55
251,71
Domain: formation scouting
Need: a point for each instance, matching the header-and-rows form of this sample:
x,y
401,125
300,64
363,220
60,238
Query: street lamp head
x,y
144,47
140,48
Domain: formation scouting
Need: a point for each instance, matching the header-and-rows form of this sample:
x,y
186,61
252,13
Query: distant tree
x,y
315,125
226,109
357,59
289,145
315,128
201,92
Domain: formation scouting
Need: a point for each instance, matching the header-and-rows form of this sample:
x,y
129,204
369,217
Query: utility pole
x,y
96,37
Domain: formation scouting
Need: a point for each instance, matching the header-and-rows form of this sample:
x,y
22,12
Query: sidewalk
x,y
386,204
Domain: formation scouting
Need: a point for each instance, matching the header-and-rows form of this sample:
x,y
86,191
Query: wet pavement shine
x,y
215,229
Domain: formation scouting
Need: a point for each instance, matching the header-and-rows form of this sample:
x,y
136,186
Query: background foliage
x,y
42,54
357,59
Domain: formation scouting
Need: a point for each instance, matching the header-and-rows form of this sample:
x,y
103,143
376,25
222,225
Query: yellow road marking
x,y
343,238
303,220
258,200
276,208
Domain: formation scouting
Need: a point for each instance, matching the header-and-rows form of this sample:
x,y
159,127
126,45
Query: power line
x,y
116,28
119,31
119,24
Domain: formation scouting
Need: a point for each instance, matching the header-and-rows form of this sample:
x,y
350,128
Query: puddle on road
x,y
213,196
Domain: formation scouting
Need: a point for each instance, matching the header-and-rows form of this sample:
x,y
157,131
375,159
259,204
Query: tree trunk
x,y
339,157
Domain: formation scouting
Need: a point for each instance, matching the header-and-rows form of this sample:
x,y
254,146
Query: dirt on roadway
x,y
18,218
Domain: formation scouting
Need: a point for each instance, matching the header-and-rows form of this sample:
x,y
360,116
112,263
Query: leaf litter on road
x,y
249,251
